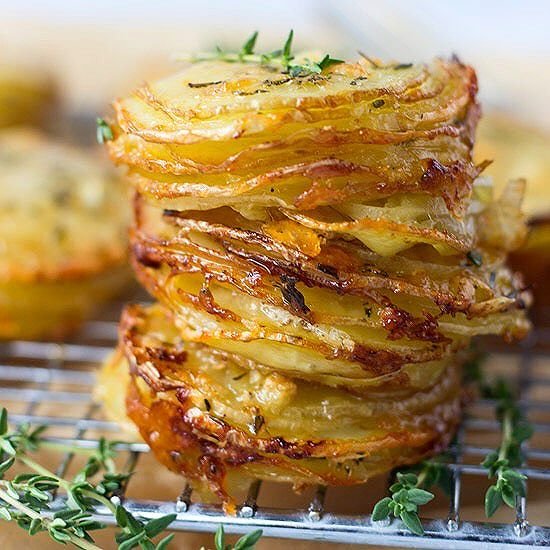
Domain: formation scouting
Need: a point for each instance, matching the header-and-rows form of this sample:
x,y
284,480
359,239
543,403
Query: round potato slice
x,y
219,101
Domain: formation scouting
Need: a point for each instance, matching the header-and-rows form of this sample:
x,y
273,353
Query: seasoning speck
x,y
257,424
328,269
203,84
292,296
475,258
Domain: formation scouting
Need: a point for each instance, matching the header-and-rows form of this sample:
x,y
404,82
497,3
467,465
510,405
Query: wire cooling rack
x,y
51,383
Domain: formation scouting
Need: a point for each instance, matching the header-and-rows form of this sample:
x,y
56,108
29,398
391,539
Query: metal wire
x,y
34,374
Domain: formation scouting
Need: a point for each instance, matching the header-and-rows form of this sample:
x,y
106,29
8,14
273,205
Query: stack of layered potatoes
x,y
63,236
519,149
322,249
28,96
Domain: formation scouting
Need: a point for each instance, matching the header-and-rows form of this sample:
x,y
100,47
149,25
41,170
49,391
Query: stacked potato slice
x,y
322,249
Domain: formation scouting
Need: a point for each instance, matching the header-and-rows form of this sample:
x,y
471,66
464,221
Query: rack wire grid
x,y
52,383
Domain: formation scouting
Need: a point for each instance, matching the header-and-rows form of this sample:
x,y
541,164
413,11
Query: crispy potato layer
x,y
322,249
214,416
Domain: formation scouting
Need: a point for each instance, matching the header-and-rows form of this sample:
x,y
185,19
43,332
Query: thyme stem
x,y
507,439
26,499
502,463
80,543
101,499
40,469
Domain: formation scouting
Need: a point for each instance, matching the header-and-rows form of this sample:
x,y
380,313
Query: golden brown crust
x,y
341,266
176,445
429,96
288,279
320,142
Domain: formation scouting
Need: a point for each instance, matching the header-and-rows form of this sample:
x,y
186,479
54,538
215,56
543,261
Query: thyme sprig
x,y
503,462
412,487
407,494
246,542
281,59
27,497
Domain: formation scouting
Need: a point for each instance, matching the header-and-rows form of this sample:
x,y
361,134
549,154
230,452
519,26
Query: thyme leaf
x,y
280,59
103,131
292,297
246,542
502,463
26,498
407,494
248,46
475,258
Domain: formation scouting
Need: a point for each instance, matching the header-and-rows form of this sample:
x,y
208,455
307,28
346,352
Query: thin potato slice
x,y
183,109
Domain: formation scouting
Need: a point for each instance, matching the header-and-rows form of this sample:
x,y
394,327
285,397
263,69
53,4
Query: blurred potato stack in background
x,y
63,215
520,149
322,247
27,96
63,241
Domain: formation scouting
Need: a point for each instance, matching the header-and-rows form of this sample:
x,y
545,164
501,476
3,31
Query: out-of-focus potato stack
x,y
63,216
27,97
520,150
322,248
63,243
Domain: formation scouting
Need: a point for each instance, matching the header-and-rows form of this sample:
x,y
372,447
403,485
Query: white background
x,y
102,47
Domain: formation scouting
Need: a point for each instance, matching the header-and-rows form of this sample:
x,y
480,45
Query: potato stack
x,y
63,236
519,149
322,248
27,97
